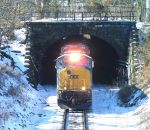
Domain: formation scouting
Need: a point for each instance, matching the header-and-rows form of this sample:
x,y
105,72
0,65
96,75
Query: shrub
x,y
125,93
131,95
4,115
12,91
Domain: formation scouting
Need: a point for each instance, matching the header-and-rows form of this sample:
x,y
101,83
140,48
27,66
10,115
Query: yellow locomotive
x,y
74,77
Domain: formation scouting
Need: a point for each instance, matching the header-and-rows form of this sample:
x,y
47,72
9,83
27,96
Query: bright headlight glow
x,y
83,88
74,57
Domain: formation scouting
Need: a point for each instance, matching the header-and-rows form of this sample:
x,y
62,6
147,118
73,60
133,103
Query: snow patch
x,y
139,25
17,52
20,34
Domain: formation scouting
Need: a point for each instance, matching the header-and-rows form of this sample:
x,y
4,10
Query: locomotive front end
x,y
74,77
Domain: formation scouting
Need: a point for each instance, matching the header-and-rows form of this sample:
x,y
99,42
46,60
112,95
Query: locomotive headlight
x,y
74,57
83,88
65,88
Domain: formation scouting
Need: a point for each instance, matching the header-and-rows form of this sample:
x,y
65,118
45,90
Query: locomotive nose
x,y
74,78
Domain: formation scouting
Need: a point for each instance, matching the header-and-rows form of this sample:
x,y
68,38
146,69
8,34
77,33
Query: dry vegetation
x,y
12,14
144,115
143,71
146,51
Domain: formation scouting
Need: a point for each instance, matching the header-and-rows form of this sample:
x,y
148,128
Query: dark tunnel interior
x,y
103,54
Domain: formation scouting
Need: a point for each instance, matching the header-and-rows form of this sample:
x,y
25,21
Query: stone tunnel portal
x,y
104,56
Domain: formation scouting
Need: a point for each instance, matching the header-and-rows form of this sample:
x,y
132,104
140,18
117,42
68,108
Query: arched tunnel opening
x,y
104,56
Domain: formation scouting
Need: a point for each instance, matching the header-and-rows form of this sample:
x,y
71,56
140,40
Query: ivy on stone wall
x,y
141,67
146,52
146,49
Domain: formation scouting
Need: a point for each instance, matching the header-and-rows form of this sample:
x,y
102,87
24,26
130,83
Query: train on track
x,y
74,77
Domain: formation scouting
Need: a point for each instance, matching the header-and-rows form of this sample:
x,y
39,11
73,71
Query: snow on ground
x,y
53,114
17,52
139,25
18,100
20,34
105,114
15,49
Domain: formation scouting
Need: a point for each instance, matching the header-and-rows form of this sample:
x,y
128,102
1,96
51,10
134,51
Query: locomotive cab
x,y
74,77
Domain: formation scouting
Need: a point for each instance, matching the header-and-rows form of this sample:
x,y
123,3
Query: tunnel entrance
x,y
104,56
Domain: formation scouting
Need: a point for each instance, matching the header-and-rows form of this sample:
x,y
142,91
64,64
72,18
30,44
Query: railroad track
x,y
75,116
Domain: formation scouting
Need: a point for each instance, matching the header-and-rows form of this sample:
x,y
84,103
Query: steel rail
x,y
66,119
84,119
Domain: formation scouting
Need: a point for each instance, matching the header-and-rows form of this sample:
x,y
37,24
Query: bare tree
x,y
12,15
